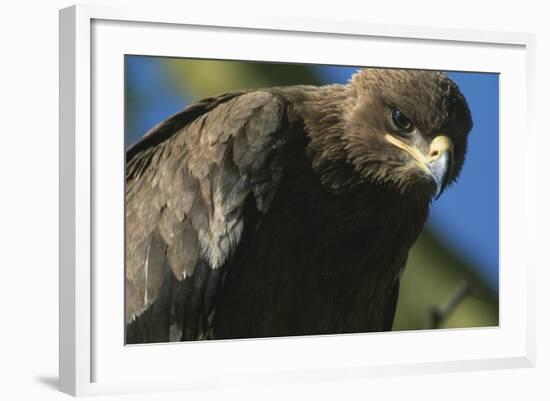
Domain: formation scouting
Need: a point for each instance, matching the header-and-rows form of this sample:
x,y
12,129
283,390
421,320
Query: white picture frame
x,y
93,361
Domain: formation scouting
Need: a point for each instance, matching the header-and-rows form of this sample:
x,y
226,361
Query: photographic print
x,y
277,199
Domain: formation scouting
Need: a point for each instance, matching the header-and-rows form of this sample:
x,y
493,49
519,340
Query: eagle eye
x,y
400,121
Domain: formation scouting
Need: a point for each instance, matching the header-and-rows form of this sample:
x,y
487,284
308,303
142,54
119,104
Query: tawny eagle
x,y
287,210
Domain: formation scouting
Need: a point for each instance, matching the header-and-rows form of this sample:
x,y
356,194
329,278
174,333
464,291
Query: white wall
x,y
29,185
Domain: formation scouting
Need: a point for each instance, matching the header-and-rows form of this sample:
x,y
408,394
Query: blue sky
x,y
468,216
465,217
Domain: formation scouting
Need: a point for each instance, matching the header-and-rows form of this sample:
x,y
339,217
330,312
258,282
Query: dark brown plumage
x,y
286,211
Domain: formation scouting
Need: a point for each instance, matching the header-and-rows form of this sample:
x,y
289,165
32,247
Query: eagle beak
x,y
439,162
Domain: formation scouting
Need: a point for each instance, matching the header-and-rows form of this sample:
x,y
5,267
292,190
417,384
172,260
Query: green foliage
x,y
203,78
432,275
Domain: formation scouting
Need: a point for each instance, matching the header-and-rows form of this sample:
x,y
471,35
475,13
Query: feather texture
x,y
185,196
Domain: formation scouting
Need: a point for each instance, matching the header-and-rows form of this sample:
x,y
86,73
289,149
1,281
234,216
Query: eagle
x,y
287,210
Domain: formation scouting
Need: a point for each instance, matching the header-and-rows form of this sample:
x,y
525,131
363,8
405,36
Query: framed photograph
x,y
276,200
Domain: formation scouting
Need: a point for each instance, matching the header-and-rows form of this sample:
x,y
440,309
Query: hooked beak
x,y
439,162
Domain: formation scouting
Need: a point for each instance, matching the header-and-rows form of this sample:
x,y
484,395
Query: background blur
x,y
460,243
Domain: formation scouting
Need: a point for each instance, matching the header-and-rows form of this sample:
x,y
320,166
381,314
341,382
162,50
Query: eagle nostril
x,y
434,154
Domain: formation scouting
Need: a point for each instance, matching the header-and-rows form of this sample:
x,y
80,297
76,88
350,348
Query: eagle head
x,y
404,129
